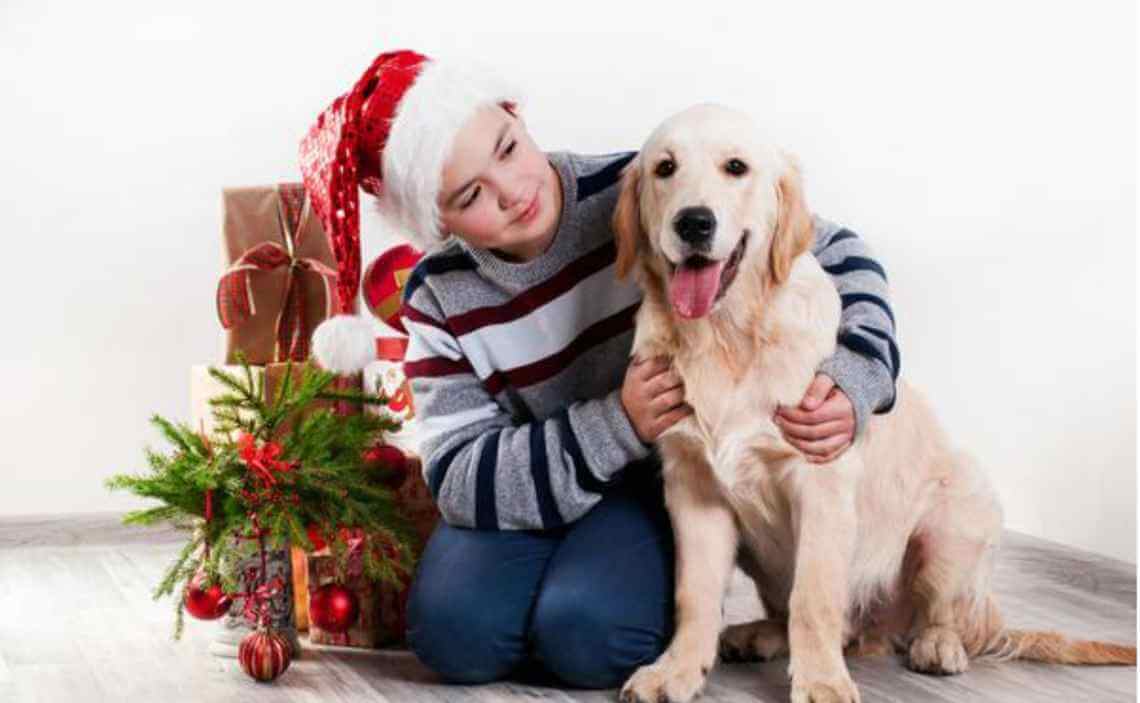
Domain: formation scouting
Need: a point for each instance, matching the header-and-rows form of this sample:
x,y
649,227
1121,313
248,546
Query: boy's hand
x,y
653,396
823,426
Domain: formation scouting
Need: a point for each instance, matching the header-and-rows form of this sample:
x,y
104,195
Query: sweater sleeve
x,y
487,470
866,360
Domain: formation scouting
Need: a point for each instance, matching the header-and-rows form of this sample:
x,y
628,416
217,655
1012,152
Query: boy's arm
x,y
865,365
484,469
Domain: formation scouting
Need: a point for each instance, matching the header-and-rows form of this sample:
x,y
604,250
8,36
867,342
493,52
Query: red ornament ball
x,y
206,603
384,280
265,654
333,608
390,462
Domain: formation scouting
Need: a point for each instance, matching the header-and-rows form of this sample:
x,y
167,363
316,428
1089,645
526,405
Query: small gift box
x,y
322,571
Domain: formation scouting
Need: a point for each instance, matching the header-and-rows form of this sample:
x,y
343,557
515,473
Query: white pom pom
x,y
344,344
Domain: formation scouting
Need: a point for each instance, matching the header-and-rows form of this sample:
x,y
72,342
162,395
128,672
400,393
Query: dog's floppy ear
x,y
628,232
794,232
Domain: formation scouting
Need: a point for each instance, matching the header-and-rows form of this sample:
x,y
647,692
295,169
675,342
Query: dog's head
x,y
704,200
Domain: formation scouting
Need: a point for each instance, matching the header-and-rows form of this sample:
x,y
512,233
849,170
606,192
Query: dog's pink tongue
x,y
692,289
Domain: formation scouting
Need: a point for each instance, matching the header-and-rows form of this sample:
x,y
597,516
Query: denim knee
x,y
590,644
458,638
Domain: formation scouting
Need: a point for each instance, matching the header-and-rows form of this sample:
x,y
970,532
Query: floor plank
x,y
77,624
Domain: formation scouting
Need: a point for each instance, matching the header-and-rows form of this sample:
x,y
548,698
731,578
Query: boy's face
x,y
499,191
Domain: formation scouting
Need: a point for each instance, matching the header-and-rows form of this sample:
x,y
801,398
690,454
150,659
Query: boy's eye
x,y
509,149
471,198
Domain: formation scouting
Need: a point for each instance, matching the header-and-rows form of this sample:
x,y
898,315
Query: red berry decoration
x,y
206,603
333,608
316,538
265,654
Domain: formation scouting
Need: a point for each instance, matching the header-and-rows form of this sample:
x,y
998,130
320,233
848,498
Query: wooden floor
x,y
77,624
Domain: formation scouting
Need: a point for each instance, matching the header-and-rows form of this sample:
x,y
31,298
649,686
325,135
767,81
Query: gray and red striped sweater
x,y
516,368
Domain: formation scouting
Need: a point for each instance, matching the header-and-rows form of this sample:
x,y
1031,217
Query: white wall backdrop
x,y
986,150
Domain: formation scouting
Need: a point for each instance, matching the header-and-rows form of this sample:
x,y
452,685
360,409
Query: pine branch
x,y
151,516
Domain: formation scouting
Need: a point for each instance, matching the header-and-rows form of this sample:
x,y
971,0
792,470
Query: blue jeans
x,y
588,602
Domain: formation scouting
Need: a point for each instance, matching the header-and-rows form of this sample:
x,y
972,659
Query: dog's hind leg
x,y
759,640
763,639
873,644
952,550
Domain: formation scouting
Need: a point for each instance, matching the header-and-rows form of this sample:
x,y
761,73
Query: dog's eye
x,y
736,167
665,168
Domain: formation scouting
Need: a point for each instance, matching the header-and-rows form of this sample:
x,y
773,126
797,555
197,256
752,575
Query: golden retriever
x,y
892,544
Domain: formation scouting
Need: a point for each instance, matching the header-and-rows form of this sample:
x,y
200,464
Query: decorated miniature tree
x,y
272,471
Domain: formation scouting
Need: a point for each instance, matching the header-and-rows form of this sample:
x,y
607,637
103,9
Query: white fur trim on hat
x,y
431,113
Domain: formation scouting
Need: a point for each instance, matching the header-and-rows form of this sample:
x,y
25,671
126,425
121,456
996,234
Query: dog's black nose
x,y
695,225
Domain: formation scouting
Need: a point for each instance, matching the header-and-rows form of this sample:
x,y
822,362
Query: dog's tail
x,y
1055,648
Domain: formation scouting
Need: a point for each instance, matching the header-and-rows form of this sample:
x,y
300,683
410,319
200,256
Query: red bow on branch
x,y
262,461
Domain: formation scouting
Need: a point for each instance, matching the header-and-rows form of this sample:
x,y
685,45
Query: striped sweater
x,y
517,368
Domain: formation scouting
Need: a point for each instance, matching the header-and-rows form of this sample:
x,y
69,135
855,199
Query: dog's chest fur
x,y
735,378
737,374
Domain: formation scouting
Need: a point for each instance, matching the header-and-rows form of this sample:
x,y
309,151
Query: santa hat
x,y
389,135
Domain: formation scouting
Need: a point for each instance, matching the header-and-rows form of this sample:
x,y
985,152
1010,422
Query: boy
x,y
536,429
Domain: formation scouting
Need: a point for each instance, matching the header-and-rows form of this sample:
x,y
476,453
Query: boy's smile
x,y
499,191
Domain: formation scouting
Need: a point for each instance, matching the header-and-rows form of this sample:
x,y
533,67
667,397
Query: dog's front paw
x,y
841,690
938,650
665,681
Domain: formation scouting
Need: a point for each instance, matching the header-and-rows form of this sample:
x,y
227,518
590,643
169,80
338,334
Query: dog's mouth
x,y
697,283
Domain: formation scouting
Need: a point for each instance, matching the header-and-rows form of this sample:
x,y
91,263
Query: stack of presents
x,y
278,283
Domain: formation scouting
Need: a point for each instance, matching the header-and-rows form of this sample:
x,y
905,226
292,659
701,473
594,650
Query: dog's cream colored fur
x,y
891,544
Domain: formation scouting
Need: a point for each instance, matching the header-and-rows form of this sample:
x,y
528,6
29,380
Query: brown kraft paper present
x,y
279,273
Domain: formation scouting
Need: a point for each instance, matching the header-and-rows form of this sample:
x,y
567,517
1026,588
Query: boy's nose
x,y
512,198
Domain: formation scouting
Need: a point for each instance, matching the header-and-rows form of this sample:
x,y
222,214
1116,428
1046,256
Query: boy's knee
x,y
458,638
592,645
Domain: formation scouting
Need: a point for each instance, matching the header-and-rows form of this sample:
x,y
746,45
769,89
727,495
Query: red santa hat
x,y
390,135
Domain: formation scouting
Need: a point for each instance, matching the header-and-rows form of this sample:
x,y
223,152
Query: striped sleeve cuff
x,y
865,380
613,443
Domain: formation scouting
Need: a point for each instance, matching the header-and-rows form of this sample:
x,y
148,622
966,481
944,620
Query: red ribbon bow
x,y
262,461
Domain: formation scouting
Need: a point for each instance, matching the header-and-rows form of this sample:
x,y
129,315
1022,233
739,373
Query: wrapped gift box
x,y
364,632
383,619
279,273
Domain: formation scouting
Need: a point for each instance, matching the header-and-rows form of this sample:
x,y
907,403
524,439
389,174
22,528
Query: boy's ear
x,y
794,233
628,232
